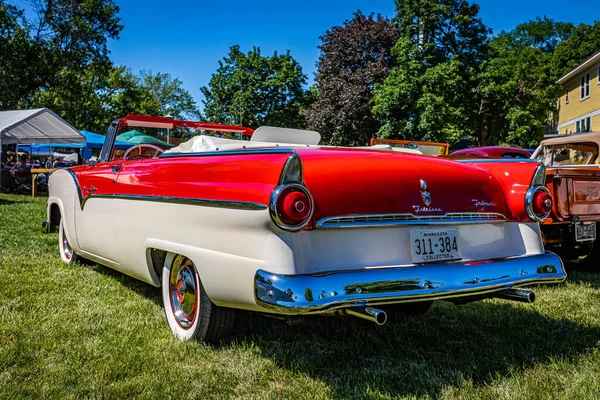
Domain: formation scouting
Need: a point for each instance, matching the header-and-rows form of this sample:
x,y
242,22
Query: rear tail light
x,y
542,202
538,203
291,206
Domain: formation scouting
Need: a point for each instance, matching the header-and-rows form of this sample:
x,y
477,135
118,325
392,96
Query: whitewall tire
x,y
190,312
64,247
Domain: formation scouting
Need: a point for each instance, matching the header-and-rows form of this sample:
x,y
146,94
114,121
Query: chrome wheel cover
x,y
66,247
183,291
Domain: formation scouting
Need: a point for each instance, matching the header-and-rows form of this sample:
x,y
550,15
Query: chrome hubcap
x,y
183,291
66,247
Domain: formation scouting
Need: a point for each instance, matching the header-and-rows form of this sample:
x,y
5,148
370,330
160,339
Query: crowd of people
x,y
26,163
20,169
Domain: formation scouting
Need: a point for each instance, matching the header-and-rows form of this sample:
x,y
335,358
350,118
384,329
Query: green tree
x,y
429,93
354,57
79,97
15,47
64,35
255,90
102,93
580,43
168,95
517,87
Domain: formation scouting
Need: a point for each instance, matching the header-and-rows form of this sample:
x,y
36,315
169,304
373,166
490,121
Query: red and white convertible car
x,y
277,224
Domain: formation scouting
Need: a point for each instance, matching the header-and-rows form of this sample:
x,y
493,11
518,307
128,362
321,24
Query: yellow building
x,y
579,103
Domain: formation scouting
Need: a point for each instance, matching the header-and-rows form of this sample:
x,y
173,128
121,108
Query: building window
x,y
588,125
583,125
567,96
585,86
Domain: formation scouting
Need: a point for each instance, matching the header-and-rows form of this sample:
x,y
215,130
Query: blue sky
x,y
186,38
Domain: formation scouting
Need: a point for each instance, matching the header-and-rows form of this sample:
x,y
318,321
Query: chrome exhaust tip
x,y
368,313
524,296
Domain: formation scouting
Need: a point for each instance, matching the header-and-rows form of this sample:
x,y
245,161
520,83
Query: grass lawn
x,y
72,331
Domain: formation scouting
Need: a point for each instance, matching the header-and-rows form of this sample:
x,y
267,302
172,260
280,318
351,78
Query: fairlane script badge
x,y
480,203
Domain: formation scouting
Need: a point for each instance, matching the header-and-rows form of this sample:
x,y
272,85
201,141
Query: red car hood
x,y
356,181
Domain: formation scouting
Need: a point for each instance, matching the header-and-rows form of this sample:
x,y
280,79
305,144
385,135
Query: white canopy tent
x,y
36,126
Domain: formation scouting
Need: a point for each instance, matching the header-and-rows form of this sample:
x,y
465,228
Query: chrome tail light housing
x,y
291,205
538,200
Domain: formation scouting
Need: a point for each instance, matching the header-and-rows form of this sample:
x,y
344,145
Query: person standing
x,y
20,166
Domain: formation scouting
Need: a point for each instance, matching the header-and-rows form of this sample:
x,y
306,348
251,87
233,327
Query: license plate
x,y
434,245
585,231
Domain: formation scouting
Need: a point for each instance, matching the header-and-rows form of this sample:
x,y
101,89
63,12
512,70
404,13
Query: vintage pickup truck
x,y
573,179
280,225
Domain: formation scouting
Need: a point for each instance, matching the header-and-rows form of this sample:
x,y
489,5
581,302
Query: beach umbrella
x,y
136,137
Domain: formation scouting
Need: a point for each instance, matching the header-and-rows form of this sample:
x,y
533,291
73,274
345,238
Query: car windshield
x,y
146,138
569,154
427,148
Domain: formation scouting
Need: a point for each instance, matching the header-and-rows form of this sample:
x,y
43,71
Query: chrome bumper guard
x,y
324,292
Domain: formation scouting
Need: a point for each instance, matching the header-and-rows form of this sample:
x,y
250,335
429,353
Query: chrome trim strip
x,y
539,176
74,176
282,150
239,205
329,291
283,177
388,220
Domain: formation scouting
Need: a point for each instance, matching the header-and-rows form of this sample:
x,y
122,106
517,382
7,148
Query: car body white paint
x,y
228,246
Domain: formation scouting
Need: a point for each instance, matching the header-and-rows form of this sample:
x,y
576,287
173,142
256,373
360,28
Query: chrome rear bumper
x,y
324,292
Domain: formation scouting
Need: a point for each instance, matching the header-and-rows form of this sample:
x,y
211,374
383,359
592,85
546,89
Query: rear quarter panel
x,y
515,178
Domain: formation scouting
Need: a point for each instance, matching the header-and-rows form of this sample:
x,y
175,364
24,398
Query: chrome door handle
x,y
116,167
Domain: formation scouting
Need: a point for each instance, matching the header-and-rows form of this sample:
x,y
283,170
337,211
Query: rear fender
x,y
515,177
228,279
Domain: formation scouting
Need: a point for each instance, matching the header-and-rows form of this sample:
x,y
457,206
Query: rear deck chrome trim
x,y
387,220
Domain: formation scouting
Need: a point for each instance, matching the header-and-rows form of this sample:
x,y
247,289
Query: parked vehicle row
x,y
280,225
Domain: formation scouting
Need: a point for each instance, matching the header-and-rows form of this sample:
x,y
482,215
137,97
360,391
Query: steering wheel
x,y
140,147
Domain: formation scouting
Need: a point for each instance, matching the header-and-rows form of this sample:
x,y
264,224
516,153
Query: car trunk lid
x,y
346,182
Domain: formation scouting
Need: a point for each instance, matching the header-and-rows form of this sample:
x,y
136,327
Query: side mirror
x,y
91,163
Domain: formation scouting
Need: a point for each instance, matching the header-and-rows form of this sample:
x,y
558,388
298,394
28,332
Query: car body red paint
x,y
493,152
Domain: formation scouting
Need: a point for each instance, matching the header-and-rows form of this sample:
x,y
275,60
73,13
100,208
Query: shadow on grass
x,y
585,276
6,201
419,356
141,288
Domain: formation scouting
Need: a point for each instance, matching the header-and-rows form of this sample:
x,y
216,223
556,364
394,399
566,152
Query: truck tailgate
x,y
582,195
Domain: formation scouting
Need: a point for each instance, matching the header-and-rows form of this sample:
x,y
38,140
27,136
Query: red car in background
x,y
494,152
